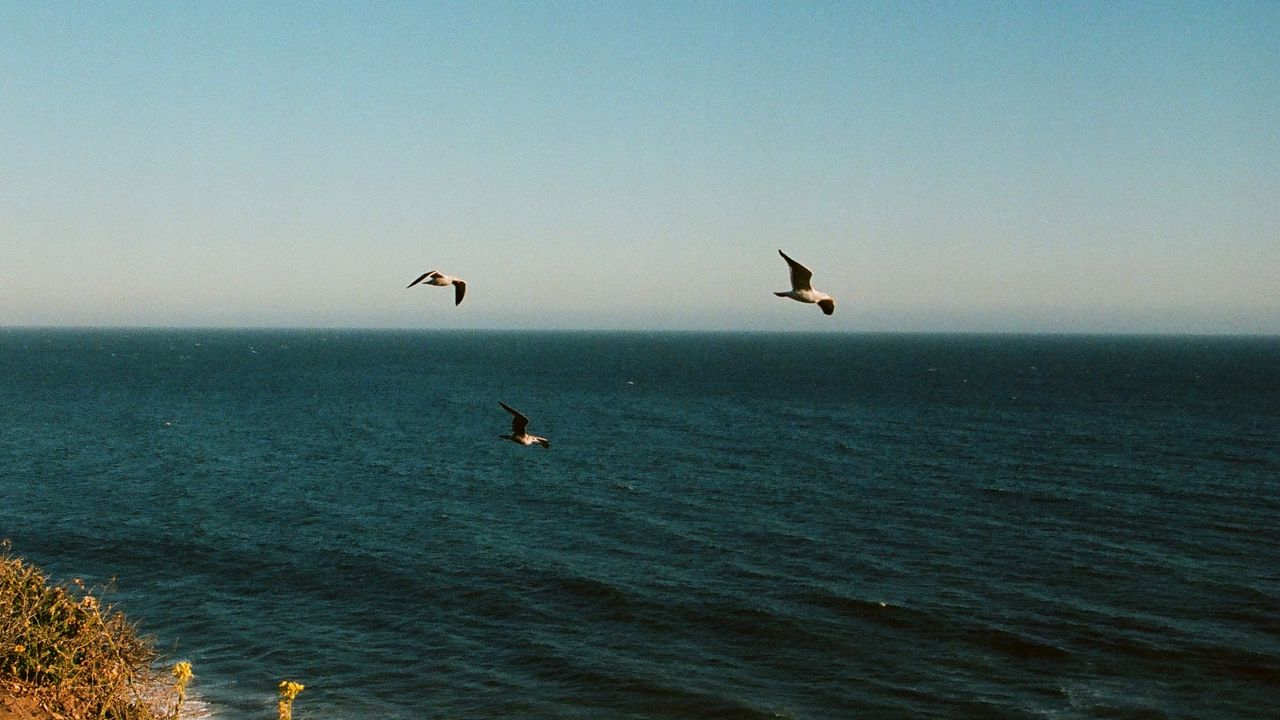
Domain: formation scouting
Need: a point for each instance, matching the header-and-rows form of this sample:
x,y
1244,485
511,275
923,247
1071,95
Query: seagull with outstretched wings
x,y
440,279
518,433
802,287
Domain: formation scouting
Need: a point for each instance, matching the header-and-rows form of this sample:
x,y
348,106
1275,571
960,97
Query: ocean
x,y
725,525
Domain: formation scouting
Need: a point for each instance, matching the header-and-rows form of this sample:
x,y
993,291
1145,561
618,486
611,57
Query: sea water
x,y
725,525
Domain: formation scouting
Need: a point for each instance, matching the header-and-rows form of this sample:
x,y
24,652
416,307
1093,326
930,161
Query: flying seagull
x,y
802,290
518,424
438,278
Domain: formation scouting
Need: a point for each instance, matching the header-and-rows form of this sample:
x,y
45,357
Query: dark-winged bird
x,y
802,289
518,424
440,279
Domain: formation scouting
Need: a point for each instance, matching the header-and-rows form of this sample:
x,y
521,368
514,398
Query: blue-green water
x,y
725,526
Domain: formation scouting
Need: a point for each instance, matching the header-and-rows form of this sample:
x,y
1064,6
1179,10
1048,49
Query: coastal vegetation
x,y
288,691
66,652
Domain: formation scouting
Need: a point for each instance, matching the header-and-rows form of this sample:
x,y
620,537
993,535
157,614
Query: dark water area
x,y
725,525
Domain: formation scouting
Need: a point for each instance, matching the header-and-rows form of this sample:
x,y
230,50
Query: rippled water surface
x,y
725,526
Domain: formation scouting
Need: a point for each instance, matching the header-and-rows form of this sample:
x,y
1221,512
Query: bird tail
x,y
780,294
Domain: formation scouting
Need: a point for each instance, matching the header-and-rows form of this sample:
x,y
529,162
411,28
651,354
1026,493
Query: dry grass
x,y
82,659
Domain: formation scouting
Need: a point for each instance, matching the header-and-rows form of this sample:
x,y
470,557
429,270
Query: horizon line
x,y
642,331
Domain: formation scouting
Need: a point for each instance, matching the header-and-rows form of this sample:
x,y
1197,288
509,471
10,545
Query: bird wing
x,y
421,277
518,422
800,275
459,289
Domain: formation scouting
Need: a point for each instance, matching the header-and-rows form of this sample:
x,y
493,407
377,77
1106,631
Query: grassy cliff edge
x,y
64,654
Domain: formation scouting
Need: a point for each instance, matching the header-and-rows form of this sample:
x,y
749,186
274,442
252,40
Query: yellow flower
x,y
288,691
182,673
19,648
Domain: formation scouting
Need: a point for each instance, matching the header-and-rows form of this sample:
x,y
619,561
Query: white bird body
x,y
439,279
518,434
802,287
808,295
528,439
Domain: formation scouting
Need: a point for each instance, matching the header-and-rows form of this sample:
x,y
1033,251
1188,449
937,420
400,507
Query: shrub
x,y
82,658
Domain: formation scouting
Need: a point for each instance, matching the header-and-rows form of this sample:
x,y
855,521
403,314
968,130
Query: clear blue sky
x,y
942,166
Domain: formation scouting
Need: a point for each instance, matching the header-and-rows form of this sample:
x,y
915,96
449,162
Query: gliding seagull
x,y
518,424
801,289
440,279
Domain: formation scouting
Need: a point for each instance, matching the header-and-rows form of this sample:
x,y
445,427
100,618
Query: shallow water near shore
x,y
725,525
